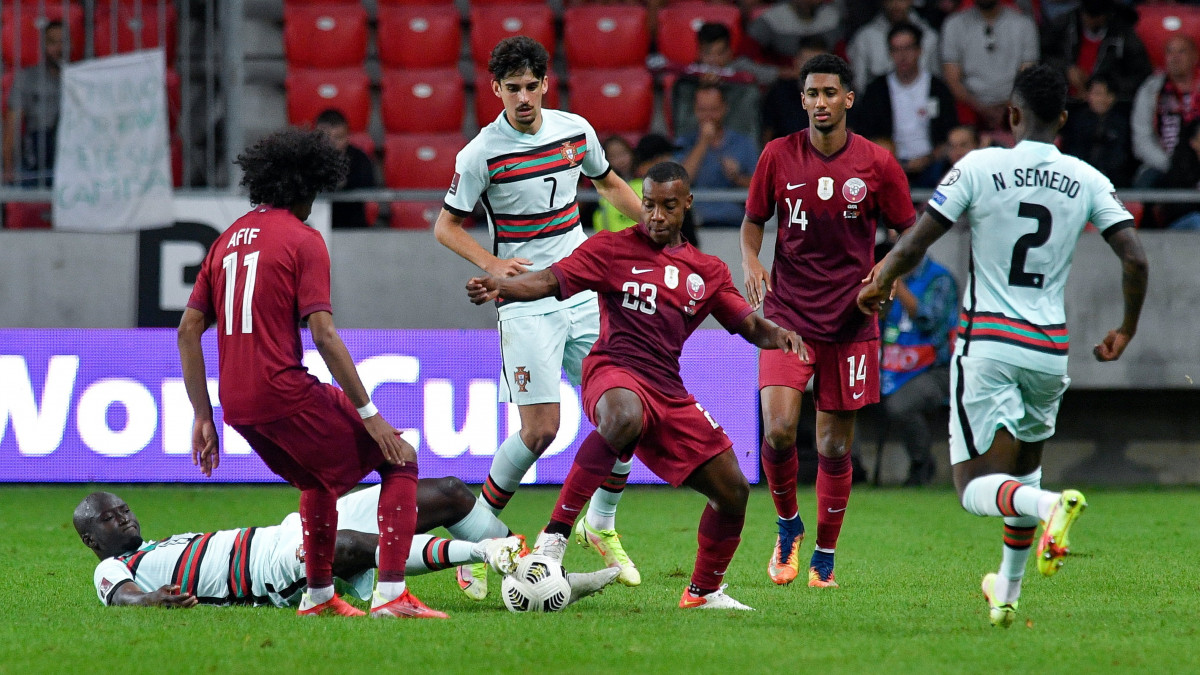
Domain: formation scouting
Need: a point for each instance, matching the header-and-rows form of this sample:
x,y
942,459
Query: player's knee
x,y
780,437
537,439
734,496
620,428
456,494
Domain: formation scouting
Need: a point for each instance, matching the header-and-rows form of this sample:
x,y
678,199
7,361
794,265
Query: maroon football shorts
x,y
324,444
845,374
678,435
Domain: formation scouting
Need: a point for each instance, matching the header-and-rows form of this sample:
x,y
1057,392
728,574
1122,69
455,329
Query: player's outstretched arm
x,y
128,594
450,233
527,286
1135,272
766,334
903,257
758,282
325,336
618,193
206,450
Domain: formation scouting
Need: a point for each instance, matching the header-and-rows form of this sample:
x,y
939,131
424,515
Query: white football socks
x,y
509,465
602,507
481,523
980,495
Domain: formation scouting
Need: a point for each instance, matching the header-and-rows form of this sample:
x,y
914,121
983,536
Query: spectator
x,y
914,373
1099,133
31,121
983,49
869,52
961,140
620,159
348,215
1184,174
716,157
1098,39
780,29
739,79
1163,105
783,106
909,111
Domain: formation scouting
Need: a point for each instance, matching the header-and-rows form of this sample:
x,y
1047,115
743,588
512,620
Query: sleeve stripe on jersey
x,y
939,217
602,175
113,591
1117,227
541,226
458,212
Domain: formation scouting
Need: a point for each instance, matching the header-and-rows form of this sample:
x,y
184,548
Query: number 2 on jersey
x,y
1017,276
642,299
229,264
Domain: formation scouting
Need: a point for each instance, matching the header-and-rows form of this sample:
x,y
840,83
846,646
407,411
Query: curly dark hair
x,y
514,55
1043,90
828,64
291,166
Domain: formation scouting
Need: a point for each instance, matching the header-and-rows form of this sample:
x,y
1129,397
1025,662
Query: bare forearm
x,y
1135,275
333,351
762,333
694,158
618,193
751,239
528,286
450,233
191,358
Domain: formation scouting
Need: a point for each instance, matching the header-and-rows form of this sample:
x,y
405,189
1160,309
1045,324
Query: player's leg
x,y
619,419
720,531
358,552
906,410
782,379
598,530
835,436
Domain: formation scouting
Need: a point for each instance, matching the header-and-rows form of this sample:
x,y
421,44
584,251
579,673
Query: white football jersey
x,y
1027,207
527,185
213,566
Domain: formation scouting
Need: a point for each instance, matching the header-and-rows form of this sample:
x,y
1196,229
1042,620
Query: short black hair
x,y
828,64
290,167
713,32
514,55
665,172
332,117
1043,90
905,27
711,87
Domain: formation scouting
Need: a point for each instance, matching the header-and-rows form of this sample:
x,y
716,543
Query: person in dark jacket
x,y
1098,133
1097,39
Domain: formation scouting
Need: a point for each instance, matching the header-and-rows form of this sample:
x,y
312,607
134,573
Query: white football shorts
x,y
535,350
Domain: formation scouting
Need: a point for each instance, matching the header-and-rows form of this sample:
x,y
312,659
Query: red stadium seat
x,y
325,36
614,101
678,23
1159,23
174,97
363,141
488,105
415,215
310,91
420,161
492,23
423,101
22,216
409,3
135,27
419,36
6,85
28,27
176,161
301,3
605,36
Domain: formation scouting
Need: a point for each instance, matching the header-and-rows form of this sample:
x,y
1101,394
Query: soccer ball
x,y
539,584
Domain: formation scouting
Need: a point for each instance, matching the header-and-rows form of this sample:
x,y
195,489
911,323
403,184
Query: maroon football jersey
x,y
651,299
261,276
828,210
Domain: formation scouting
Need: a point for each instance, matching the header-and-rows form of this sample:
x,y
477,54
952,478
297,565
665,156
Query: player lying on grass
x,y
256,565
655,290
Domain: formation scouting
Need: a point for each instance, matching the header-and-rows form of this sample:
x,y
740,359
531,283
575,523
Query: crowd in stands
x,y
932,78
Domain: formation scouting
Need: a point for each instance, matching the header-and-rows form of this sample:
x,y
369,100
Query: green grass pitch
x,y
909,562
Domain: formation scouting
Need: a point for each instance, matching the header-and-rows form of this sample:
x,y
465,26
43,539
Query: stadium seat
x,y
423,101
313,90
414,215
614,101
28,28
6,84
176,161
492,23
363,141
420,161
605,36
23,216
134,28
1158,23
678,23
325,36
419,36
488,105
302,3
404,3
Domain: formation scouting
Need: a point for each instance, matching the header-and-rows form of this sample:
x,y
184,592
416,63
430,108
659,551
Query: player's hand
x,y
707,134
791,343
508,267
396,450
871,297
731,169
169,596
206,450
1112,346
483,289
756,280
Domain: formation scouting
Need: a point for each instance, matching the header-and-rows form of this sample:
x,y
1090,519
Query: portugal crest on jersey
x,y
522,378
570,153
854,190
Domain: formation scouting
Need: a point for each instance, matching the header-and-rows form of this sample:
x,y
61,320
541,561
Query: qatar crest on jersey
x,y
854,190
671,277
571,153
695,286
825,187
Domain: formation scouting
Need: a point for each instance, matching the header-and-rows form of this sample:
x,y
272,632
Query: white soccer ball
x,y
539,584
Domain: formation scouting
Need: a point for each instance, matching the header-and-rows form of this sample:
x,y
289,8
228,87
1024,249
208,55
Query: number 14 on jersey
x,y
795,215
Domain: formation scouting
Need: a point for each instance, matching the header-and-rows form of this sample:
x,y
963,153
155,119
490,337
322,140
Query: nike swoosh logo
x,y
776,492
859,395
689,602
835,510
638,271
567,508
720,574
797,185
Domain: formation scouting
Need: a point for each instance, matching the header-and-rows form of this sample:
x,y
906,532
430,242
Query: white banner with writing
x,y
113,170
